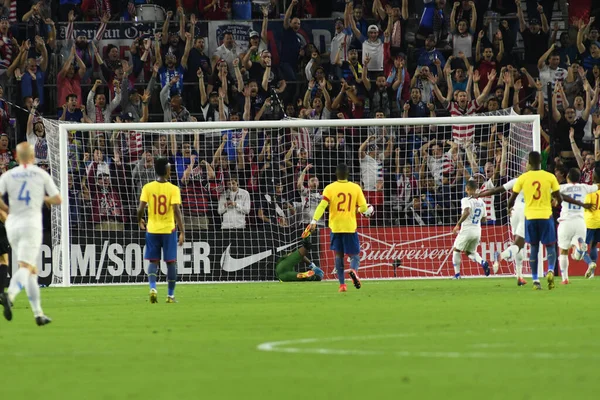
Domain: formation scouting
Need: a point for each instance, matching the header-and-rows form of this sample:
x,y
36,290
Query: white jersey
x,y
520,201
476,213
576,191
26,185
489,201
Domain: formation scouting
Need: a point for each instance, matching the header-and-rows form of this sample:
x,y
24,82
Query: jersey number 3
x,y
341,204
538,193
160,204
24,194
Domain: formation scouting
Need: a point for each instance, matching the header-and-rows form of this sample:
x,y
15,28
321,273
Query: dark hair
x,y
574,175
160,166
555,54
227,33
378,110
98,94
535,159
563,170
72,95
110,47
342,171
472,185
380,75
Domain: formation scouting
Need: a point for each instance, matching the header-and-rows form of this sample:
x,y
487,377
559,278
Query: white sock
x,y
476,257
576,254
33,293
563,261
519,263
456,262
17,283
510,252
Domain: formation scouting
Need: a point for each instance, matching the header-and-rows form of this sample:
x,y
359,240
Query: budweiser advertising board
x,y
418,252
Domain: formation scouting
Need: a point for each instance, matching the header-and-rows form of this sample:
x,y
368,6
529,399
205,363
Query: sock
x,y
594,252
476,257
33,294
17,283
171,278
339,267
3,277
533,262
355,262
587,258
563,261
152,270
510,252
456,262
551,255
519,263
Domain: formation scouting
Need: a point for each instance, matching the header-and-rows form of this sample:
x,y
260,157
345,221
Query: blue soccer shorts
x,y
155,242
592,236
540,231
346,243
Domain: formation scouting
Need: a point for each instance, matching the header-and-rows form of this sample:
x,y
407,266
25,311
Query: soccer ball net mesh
x,y
248,194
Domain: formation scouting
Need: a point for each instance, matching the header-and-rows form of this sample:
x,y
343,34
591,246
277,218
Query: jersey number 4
x,y
160,204
24,194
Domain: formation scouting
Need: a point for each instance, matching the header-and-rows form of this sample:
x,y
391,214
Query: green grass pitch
x,y
428,339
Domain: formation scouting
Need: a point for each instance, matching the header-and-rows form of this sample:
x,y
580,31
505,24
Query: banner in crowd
x,y
121,34
422,252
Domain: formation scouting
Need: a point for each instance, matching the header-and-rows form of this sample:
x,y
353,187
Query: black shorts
x,y
4,245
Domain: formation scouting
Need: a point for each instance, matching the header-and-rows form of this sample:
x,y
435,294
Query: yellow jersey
x,y
160,197
592,218
343,198
537,187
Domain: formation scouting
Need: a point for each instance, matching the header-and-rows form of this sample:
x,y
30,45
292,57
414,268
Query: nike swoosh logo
x,y
230,264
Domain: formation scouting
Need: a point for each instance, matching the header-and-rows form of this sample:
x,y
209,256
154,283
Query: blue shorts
x,y
346,243
167,242
540,230
592,236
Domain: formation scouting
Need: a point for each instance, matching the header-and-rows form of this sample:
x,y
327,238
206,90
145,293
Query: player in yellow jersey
x,y
163,200
539,187
592,223
343,197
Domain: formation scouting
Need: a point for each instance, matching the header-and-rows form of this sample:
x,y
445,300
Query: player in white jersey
x,y
468,228
515,251
571,228
27,186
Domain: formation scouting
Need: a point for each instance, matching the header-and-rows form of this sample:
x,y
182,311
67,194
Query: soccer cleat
x,y
486,268
537,286
42,320
581,249
496,264
305,275
590,271
171,299
550,279
153,296
456,276
565,282
7,306
355,279
521,282
343,288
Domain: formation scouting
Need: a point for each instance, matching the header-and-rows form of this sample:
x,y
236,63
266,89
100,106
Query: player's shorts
x,y
346,243
569,232
167,242
467,241
540,231
517,223
592,236
26,243
4,245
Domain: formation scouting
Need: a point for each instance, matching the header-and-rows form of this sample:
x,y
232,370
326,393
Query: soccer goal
x,y
249,189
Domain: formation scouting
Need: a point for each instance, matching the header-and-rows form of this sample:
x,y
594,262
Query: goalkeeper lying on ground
x,y
286,265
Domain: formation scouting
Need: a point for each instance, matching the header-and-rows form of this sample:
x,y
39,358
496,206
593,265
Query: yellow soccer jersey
x,y
592,218
537,187
160,197
343,198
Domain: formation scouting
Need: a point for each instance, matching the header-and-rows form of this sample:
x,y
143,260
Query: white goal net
x,y
412,170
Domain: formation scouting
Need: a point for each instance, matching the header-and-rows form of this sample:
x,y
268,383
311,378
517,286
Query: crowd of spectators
x,y
459,59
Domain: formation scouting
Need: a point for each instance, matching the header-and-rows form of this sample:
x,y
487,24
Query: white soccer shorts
x,y
26,243
570,231
467,241
517,223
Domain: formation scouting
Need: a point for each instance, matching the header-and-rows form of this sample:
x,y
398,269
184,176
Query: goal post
x,y
211,252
